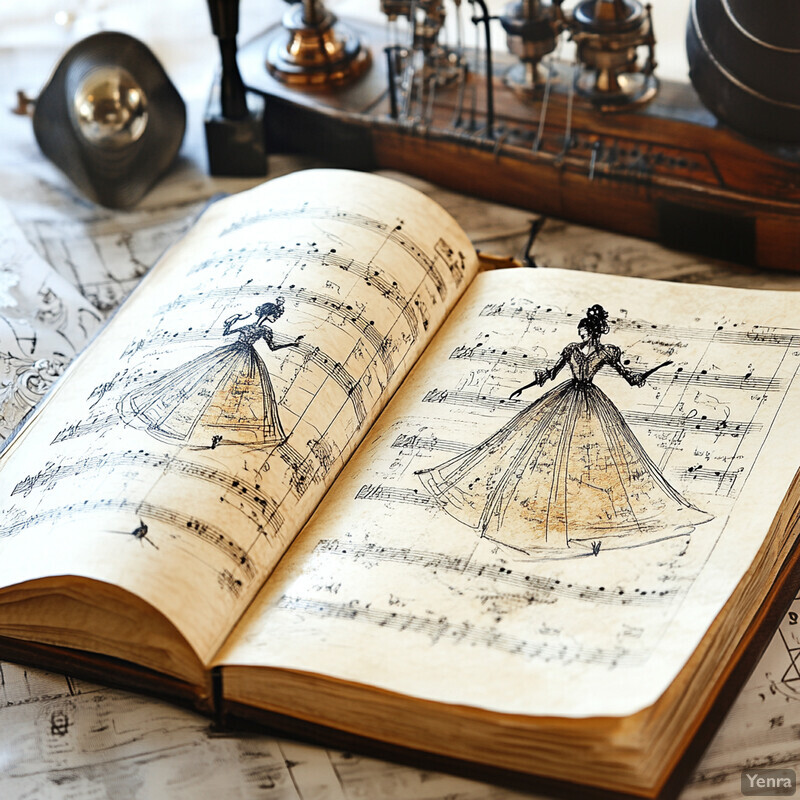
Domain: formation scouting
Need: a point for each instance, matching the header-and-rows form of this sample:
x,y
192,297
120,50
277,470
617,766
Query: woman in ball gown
x,y
566,471
221,397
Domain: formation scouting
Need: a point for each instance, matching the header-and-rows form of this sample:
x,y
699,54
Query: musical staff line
x,y
721,478
260,506
520,359
495,573
388,494
700,423
367,272
758,335
417,442
395,235
209,534
81,428
441,629
303,473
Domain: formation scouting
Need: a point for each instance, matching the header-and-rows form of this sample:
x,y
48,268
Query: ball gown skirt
x,y
226,393
566,471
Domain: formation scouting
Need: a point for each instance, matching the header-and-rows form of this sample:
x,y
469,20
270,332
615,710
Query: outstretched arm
x,y
227,325
615,361
267,337
541,376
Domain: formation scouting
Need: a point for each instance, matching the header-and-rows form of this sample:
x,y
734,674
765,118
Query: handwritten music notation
x,y
369,273
721,334
498,574
261,508
196,528
700,423
303,472
520,359
391,494
392,233
413,441
86,428
721,478
463,633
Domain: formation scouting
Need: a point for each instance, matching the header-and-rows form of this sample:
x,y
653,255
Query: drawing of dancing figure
x,y
221,397
566,471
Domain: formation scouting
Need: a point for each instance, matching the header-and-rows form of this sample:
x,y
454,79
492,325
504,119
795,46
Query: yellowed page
x,y
558,549
196,436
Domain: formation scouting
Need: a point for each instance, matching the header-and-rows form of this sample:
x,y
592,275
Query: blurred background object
x,y
110,118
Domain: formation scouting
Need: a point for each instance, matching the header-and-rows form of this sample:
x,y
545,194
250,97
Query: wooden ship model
x,y
596,139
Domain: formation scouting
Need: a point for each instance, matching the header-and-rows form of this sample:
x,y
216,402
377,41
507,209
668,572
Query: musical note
x,y
699,423
495,573
177,520
262,507
394,234
442,629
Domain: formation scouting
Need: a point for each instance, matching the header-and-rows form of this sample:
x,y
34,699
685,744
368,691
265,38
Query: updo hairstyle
x,y
270,309
595,321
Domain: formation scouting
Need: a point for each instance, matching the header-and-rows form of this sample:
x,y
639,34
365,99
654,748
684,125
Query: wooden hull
x,y
668,172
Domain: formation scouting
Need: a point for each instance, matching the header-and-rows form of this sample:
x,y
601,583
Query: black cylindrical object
x,y
744,62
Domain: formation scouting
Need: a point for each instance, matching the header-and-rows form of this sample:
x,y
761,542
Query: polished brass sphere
x,y
110,107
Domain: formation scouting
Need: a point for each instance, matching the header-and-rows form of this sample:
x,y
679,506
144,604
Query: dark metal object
x,y
234,120
110,118
236,147
225,24
743,62
528,259
484,20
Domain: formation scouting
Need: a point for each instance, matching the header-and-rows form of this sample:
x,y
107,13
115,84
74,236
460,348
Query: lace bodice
x,y
585,365
250,334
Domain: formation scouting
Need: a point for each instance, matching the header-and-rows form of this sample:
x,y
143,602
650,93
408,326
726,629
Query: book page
x,y
571,481
191,442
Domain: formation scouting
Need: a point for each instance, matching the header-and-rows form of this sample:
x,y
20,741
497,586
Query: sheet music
x,y
63,738
760,730
650,532
44,322
241,377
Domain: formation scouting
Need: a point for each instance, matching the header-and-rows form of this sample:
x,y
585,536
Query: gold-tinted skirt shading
x,y
565,471
222,397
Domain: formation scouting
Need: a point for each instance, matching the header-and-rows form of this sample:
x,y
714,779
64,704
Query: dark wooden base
x,y
667,172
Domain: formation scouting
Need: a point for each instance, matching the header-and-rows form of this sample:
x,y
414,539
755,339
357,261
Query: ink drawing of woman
x,y
221,397
566,471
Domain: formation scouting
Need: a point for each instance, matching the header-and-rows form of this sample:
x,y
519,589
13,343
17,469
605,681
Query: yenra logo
x,y
769,783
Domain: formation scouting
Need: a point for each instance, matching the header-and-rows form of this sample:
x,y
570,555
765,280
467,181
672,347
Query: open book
x,y
323,471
